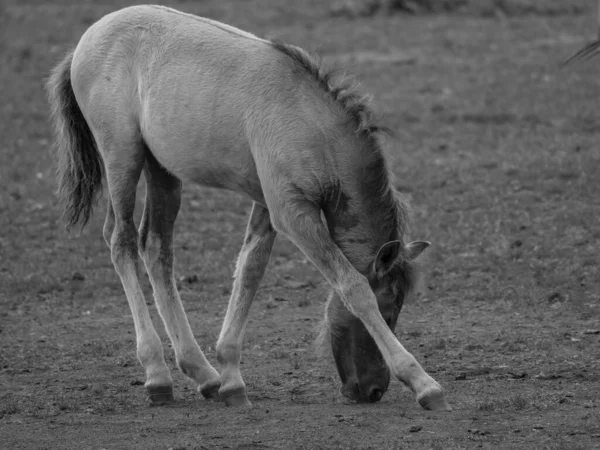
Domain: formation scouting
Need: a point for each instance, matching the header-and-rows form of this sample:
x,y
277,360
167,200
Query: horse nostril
x,y
375,394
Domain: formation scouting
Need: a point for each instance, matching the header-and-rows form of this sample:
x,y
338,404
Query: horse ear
x,y
415,248
387,256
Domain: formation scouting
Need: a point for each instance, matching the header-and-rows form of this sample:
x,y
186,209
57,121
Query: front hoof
x,y
235,397
434,401
160,395
210,390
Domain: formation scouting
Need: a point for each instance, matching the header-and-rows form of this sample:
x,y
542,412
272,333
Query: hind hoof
x,y
236,398
160,395
210,391
434,401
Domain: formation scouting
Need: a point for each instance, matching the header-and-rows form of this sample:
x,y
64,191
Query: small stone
x,y
555,297
137,383
78,276
517,375
270,303
191,279
415,428
462,376
550,376
292,284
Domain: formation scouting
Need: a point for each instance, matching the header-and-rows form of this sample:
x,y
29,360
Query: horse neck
x,y
363,214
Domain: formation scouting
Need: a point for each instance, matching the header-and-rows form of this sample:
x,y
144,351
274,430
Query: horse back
x,y
214,104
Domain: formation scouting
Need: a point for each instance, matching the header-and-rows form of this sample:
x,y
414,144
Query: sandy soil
x,y
497,150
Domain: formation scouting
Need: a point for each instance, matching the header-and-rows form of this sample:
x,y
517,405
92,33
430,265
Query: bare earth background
x,y
498,151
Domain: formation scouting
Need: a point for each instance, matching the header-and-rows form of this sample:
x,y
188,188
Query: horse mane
x,y
344,90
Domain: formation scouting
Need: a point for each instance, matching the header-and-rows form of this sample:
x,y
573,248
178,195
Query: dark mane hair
x,y
342,89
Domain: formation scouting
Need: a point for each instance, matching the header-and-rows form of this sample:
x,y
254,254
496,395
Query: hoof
x,y
434,401
210,391
235,397
160,395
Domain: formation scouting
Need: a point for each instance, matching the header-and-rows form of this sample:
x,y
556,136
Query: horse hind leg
x,y
163,199
251,265
109,223
123,163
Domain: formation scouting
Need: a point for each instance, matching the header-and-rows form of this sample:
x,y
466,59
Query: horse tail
x,y
80,166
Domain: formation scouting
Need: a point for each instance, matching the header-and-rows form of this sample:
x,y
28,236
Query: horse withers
x,y
177,97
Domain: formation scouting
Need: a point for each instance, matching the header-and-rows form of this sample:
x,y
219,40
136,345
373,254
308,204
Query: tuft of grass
x,y
516,343
304,302
279,353
11,407
64,403
440,344
488,405
518,402
414,334
295,361
98,390
126,361
102,348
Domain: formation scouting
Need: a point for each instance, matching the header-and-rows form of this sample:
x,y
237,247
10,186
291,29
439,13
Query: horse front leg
x,y
301,222
251,265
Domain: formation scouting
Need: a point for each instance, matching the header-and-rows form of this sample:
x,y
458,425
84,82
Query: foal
x,y
177,97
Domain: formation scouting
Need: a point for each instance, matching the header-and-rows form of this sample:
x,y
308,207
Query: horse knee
x,y
149,245
123,247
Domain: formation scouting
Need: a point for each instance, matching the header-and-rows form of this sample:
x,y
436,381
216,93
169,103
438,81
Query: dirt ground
x,y
497,150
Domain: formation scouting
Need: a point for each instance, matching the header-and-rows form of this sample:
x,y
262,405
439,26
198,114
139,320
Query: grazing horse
x,y
176,97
